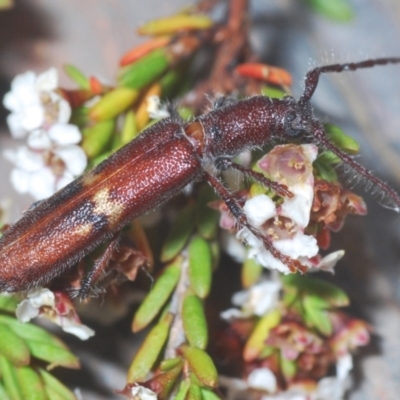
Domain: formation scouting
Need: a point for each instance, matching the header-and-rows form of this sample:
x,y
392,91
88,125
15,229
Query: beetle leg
x,y
282,190
98,269
236,209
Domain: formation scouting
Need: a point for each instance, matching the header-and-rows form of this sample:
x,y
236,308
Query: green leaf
x,y
10,379
13,347
113,103
200,266
288,367
41,344
337,10
31,384
341,140
194,393
149,351
158,296
273,92
170,363
166,381
201,365
77,76
251,272
183,388
319,288
97,138
185,113
8,303
3,393
194,322
325,172
317,318
174,23
6,4
129,129
209,394
329,158
290,295
54,388
256,342
179,235
145,70
56,355
206,217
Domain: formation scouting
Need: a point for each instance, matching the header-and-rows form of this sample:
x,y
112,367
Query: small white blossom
x,y
142,393
258,300
326,263
233,247
284,224
334,388
262,379
34,103
30,307
52,160
329,388
58,309
155,109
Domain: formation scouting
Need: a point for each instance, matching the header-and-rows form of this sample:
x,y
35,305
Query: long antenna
x,y
323,140
312,76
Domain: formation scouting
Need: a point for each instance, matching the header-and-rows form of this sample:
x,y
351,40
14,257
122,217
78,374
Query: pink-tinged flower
x,y
326,263
137,392
350,333
332,204
34,103
56,307
52,160
258,300
284,224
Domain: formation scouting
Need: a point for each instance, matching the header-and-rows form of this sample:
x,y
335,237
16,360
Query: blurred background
x,y
93,34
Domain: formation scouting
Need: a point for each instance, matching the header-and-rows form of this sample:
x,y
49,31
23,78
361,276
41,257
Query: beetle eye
x,y
293,128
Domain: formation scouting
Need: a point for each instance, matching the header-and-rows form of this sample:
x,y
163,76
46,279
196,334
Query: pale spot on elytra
x,y
82,229
104,205
89,179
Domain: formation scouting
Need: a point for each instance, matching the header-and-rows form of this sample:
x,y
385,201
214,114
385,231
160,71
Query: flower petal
x,y
299,246
262,379
20,180
47,81
259,209
74,158
64,134
39,140
42,184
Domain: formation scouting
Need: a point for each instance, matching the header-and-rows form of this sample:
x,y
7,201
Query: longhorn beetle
x,y
156,166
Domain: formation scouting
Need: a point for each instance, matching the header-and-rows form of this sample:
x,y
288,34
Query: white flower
x,y
155,109
56,308
236,389
262,379
329,388
326,263
52,160
142,393
34,103
334,388
258,300
284,224
233,247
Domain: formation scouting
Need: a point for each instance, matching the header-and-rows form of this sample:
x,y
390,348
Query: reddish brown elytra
x,y
156,166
